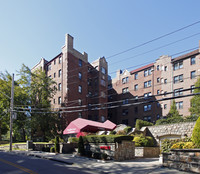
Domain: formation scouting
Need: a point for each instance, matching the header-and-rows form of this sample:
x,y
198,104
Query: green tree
x,y
195,101
42,90
173,112
196,133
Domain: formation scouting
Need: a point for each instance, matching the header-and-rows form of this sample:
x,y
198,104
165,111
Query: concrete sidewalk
x,y
138,165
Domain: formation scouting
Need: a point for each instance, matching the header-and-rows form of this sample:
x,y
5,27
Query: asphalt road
x,y
20,164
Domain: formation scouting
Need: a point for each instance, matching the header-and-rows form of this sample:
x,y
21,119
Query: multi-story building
x,y
141,93
81,86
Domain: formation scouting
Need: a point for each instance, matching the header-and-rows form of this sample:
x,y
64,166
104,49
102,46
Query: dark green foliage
x,y
97,155
143,141
81,148
52,149
195,101
106,138
57,145
73,139
173,112
46,149
179,119
113,132
104,156
88,154
141,123
196,133
127,129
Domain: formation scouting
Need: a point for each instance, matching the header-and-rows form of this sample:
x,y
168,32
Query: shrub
x,y
113,132
196,133
189,145
178,145
104,156
88,154
191,118
142,141
96,155
57,145
140,123
81,149
73,139
127,129
52,149
54,140
170,120
106,138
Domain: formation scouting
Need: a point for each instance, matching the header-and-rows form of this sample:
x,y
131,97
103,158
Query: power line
x,y
160,37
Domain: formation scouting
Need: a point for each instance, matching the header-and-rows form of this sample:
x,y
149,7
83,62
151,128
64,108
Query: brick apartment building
x,y
82,86
153,82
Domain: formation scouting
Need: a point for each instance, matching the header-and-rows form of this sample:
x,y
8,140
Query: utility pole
x,y
11,110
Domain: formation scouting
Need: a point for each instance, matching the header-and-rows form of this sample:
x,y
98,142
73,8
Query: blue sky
x,y
33,29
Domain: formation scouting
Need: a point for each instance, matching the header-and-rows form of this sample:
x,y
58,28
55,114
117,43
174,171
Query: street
x,y
20,164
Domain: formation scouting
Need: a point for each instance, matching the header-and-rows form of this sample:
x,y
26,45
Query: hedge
x,y
141,123
106,138
143,141
196,133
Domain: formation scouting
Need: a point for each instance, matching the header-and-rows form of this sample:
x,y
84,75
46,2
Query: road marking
x,y
19,167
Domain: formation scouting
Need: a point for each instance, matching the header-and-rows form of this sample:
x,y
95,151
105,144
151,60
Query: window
x,y
192,88
54,75
59,73
125,90
49,76
193,74
54,61
146,95
80,75
110,86
79,102
103,82
158,116
165,81
178,78
103,94
158,80
192,61
136,87
102,119
59,100
49,67
165,106
80,89
60,59
125,112
178,65
158,91
158,67
79,115
125,101
179,105
136,76
103,70
147,72
178,92
80,62
54,101
165,68
125,80
147,107
59,87
147,84
147,118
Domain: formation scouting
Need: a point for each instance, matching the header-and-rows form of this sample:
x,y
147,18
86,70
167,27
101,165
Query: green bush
x,y
88,154
142,141
52,149
191,118
73,139
141,123
96,155
106,138
104,156
170,120
189,145
54,140
127,129
178,145
196,133
81,149
113,132
57,145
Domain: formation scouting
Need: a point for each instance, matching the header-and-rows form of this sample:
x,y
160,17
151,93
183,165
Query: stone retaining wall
x,y
183,159
172,131
147,152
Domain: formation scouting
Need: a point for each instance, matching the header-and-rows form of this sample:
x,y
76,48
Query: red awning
x,y
83,125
